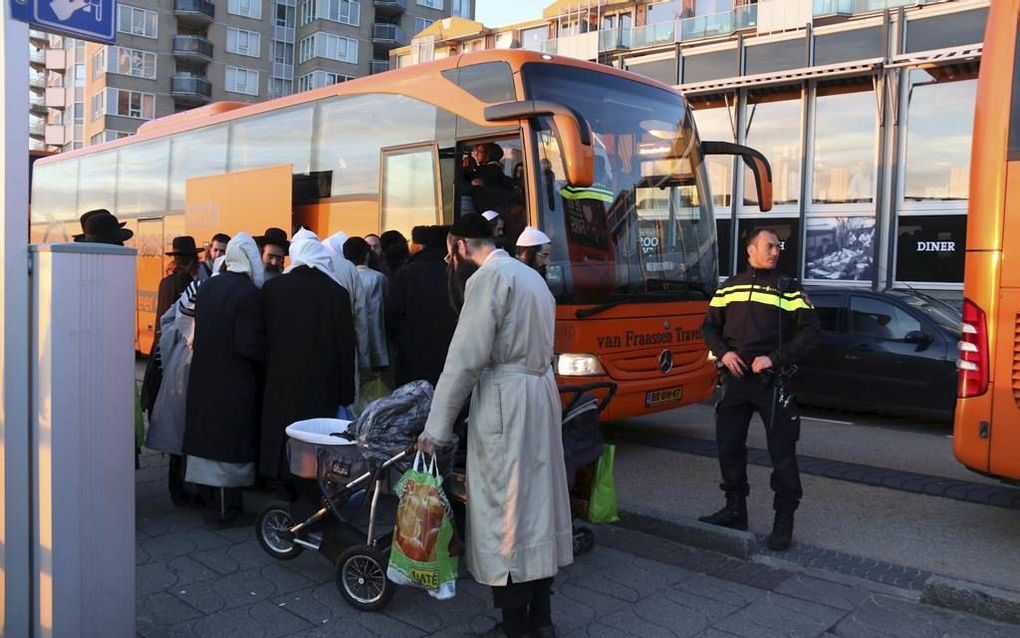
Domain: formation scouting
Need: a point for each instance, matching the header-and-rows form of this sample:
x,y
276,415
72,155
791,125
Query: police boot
x,y
733,515
782,531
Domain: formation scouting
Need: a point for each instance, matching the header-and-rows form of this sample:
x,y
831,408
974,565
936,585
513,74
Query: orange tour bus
x,y
986,432
607,163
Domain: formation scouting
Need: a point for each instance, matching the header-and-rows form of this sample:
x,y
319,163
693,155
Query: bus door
x,y
491,177
149,241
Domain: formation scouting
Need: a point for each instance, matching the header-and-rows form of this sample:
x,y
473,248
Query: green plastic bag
x,y
424,550
602,505
370,391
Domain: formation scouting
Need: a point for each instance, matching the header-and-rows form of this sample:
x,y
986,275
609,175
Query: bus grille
x,y
1016,360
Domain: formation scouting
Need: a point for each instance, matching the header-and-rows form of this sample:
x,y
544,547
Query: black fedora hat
x,y
100,226
273,237
184,245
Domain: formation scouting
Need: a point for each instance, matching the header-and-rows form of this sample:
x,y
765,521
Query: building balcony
x,y
390,7
194,12
190,90
719,24
56,135
834,8
37,104
37,81
379,66
388,36
193,48
56,60
37,37
37,130
37,58
653,35
56,97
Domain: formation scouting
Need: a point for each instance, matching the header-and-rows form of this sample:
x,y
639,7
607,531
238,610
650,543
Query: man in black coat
x,y
221,413
310,358
419,314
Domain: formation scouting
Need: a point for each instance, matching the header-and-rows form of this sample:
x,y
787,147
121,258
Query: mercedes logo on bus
x,y
666,361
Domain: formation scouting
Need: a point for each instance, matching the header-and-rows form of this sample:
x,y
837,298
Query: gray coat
x,y
518,510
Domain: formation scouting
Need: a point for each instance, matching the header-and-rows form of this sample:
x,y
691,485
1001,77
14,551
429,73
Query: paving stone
x,y
202,596
305,604
168,546
188,571
241,532
276,620
250,554
217,560
230,623
732,594
312,566
284,580
824,592
886,616
598,604
779,615
628,623
416,608
147,628
242,588
206,539
167,610
153,577
141,556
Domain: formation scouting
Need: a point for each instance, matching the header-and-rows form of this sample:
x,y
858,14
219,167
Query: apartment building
x,y
864,108
173,55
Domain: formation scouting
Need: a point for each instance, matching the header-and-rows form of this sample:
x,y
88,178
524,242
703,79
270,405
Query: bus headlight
x,y
578,365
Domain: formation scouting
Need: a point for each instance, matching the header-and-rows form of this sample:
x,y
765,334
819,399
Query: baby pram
x,y
346,509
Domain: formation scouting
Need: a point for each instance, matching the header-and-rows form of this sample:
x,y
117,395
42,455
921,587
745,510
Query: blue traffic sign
x,y
94,20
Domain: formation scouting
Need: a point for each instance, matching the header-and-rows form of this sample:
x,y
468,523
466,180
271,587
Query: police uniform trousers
x,y
740,399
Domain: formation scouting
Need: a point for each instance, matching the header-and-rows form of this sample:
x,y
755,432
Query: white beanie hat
x,y
532,237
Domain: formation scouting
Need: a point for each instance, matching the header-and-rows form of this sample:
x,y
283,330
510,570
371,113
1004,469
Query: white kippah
x,y
490,215
533,237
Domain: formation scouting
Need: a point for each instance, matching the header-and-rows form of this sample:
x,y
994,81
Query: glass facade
x,y
845,139
773,126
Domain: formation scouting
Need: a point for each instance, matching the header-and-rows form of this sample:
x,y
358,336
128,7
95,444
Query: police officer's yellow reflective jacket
x,y
760,312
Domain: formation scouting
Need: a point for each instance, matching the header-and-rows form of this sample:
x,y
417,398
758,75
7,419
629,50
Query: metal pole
x,y
15,476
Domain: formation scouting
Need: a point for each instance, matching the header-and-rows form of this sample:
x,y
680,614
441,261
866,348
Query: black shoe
x,y
782,531
548,631
498,632
733,515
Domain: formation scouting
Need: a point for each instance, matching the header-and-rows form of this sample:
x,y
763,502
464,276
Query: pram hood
x,y
389,425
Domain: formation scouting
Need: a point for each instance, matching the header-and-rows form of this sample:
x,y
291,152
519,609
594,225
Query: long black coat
x,y
420,317
309,358
221,416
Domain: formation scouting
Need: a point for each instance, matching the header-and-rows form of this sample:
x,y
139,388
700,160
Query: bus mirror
x,y
754,160
572,130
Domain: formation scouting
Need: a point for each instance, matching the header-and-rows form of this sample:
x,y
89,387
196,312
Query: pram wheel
x,y
584,540
273,519
361,578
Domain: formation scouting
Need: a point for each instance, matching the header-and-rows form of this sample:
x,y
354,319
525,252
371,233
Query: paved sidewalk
x,y
193,581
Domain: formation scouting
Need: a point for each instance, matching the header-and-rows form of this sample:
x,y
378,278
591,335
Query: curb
x,y
973,598
958,595
687,532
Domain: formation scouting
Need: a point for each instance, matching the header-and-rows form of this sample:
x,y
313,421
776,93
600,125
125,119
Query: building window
x,y
284,16
840,248
461,8
99,63
137,21
664,12
329,46
116,135
98,105
343,11
774,128
98,138
420,24
244,42
431,4
278,87
940,120
79,112
244,81
79,74
844,147
132,104
533,38
318,79
714,122
139,64
283,53
246,8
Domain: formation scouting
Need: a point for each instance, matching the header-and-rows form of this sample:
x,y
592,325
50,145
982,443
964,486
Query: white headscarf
x,y
243,257
335,243
218,264
307,250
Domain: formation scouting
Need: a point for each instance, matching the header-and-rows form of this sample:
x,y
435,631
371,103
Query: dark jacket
x,y
309,358
221,415
420,317
760,312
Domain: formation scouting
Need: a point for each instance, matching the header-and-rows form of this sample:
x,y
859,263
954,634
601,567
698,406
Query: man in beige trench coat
x,y
518,509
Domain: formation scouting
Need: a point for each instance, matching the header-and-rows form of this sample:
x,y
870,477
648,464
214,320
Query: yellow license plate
x,y
662,397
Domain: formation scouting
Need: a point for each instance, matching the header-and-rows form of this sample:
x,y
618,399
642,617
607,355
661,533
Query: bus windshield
x,y
644,230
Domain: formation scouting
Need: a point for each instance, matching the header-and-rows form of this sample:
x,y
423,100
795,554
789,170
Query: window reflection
x,y
283,137
714,124
844,146
409,192
940,119
773,126
197,154
54,197
142,178
351,152
97,181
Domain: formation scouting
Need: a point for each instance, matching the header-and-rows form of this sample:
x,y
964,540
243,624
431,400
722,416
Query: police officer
x,y
759,324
